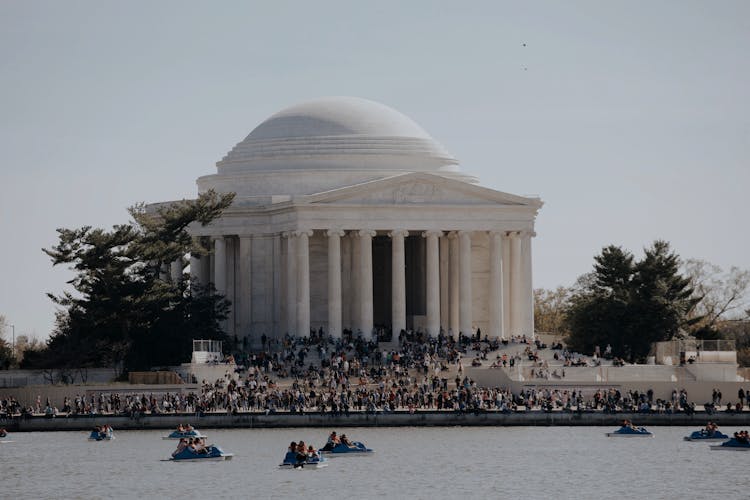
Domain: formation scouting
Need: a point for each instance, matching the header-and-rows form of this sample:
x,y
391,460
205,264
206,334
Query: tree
x,y
549,309
598,310
122,313
663,299
7,357
629,305
739,331
722,296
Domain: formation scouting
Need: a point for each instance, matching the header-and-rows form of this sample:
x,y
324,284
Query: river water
x,y
424,463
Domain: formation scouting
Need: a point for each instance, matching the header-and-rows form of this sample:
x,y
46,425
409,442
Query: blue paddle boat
x,y
630,431
356,448
733,444
293,460
212,453
184,434
706,435
104,433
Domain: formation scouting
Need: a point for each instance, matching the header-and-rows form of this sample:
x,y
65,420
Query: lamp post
x,y
13,327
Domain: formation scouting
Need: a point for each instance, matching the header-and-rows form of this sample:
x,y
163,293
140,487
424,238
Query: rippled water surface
x,y
494,462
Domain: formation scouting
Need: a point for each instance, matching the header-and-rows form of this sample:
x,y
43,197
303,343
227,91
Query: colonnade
x,y
449,280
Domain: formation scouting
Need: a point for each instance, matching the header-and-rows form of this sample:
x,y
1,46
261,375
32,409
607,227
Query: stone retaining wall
x,y
362,419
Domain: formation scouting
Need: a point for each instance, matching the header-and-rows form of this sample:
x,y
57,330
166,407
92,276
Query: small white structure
x,y
208,364
207,351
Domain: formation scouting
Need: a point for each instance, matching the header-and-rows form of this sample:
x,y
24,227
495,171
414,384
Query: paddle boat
x,y
343,446
356,448
103,433
292,460
740,442
211,453
178,434
706,435
629,430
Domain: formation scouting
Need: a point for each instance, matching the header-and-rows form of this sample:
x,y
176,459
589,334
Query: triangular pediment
x,y
418,188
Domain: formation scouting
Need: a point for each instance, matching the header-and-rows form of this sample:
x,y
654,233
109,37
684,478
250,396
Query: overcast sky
x,y
629,119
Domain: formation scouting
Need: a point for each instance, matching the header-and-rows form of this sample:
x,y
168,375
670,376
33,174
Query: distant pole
x,y
13,327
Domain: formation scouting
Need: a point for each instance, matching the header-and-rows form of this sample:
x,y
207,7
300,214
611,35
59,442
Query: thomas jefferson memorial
x,y
348,215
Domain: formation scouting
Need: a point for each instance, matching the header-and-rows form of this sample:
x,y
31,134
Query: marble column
x,y
175,271
231,284
244,306
433,282
291,283
465,301
398,281
207,262
195,272
356,284
276,330
516,284
506,284
334,282
496,285
303,283
365,280
346,282
164,272
527,289
445,309
454,285
220,271
220,265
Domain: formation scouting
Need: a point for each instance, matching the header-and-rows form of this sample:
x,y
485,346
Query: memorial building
x,y
348,215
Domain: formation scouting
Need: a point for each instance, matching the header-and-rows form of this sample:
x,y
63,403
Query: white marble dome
x,y
327,143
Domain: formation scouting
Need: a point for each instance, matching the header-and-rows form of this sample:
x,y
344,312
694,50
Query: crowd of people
x,y
339,376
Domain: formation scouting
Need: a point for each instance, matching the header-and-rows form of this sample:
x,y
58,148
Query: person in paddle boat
x,y
180,428
311,452
188,428
193,445
710,429
345,440
180,446
302,448
333,439
200,446
742,437
301,452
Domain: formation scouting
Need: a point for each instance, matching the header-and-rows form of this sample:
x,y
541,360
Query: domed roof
x,y
338,133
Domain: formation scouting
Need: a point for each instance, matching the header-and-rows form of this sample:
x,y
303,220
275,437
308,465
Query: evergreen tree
x,y
122,314
662,298
599,308
629,305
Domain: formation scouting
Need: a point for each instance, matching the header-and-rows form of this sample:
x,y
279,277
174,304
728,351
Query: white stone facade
x,y
349,216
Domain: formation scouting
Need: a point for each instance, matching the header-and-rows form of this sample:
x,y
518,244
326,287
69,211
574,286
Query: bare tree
x,y
7,357
549,309
723,294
